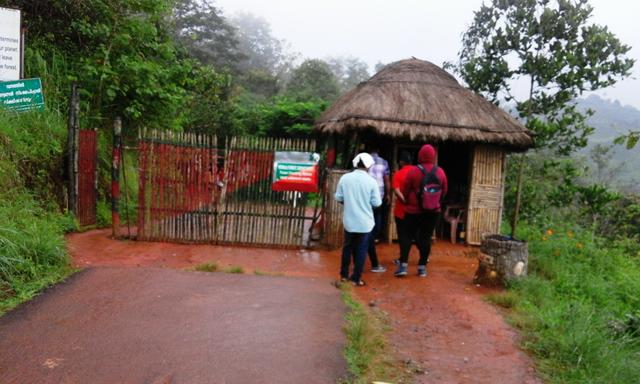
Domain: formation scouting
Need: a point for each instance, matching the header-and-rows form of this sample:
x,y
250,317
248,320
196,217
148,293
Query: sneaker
x,y
422,271
401,271
379,269
396,261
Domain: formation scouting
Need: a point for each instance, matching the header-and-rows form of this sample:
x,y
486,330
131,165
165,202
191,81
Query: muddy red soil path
x,y
154,325
441,323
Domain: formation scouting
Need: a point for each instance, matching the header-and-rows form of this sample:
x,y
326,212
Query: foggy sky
x,y
390,30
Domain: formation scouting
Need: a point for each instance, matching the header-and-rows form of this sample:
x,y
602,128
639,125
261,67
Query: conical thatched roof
x,y
419,100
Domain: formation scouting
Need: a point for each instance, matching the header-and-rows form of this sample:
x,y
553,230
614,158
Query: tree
x,y
206,34
550,46
120,52
630,139
313,80
266,63
350,71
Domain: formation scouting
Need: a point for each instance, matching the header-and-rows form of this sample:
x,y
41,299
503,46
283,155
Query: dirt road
x,y
442,322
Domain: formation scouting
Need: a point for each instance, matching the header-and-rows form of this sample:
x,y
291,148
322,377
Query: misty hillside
x,y
610,120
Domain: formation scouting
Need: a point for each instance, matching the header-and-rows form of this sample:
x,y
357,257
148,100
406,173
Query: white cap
x,y
366,158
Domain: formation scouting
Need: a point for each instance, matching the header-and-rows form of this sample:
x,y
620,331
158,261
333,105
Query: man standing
x,y
404,236
380,172
360,194
420,220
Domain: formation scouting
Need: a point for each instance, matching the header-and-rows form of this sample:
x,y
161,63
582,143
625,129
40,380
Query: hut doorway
x,y
456,160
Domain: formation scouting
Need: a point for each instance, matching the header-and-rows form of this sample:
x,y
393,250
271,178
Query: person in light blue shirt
x,y
359,193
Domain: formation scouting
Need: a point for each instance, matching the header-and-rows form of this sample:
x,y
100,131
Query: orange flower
x,y
549,231
579,246
544,238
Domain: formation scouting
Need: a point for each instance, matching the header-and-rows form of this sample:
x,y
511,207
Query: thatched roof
x,y
419,100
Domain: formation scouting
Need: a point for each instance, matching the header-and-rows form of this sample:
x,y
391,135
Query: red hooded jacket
x,y
411,187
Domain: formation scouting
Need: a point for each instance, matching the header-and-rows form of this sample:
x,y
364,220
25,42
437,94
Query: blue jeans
x,y
355,245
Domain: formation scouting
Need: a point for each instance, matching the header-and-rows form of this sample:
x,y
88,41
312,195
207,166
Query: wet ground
x,y
441,323
159,325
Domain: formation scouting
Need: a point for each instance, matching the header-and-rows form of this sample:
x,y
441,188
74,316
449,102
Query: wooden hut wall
x,y
333,229
486,194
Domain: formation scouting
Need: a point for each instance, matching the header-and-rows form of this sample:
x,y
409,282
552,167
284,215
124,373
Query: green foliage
x,y
31,153
32,251
551,46
313,81
209,105
578,307
121,53
282,117
630,139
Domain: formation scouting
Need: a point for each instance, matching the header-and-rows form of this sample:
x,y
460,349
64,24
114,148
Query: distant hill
x,y
610,120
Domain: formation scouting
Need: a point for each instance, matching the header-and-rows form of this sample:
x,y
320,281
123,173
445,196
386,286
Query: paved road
x,y
153,325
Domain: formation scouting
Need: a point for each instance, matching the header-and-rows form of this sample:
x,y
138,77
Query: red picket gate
x,y
192,190
87,162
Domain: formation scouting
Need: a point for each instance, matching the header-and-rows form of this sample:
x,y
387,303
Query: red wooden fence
x,y
87,161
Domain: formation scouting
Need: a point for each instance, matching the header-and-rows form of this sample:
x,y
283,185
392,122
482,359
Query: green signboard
x,y
22,95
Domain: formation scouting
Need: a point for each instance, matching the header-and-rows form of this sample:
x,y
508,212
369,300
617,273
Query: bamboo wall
x,y
333,228
486,194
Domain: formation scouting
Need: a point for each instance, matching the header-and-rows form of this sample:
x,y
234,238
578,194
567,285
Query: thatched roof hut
x,y
419,100
411,102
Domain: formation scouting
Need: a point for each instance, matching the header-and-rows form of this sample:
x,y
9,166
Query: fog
x,y
386,31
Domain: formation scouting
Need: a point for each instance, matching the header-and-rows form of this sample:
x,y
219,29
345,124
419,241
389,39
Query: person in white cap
x,y
359,193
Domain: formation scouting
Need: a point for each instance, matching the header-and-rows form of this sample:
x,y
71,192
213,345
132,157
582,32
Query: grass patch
x,y
258,272
368,354
579,308
207,267
32,249
234,269
25,289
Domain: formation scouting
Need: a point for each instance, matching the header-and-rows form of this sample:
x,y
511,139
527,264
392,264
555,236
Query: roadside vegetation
x,y
579,307
32,250
368,353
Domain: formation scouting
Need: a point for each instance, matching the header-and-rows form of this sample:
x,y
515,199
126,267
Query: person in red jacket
x,y
416,219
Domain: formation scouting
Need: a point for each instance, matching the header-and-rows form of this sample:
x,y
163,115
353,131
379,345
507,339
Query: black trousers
x,y
378,216
419,227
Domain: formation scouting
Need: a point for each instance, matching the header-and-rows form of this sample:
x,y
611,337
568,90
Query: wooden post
x,y
115,177
516,211
73,129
